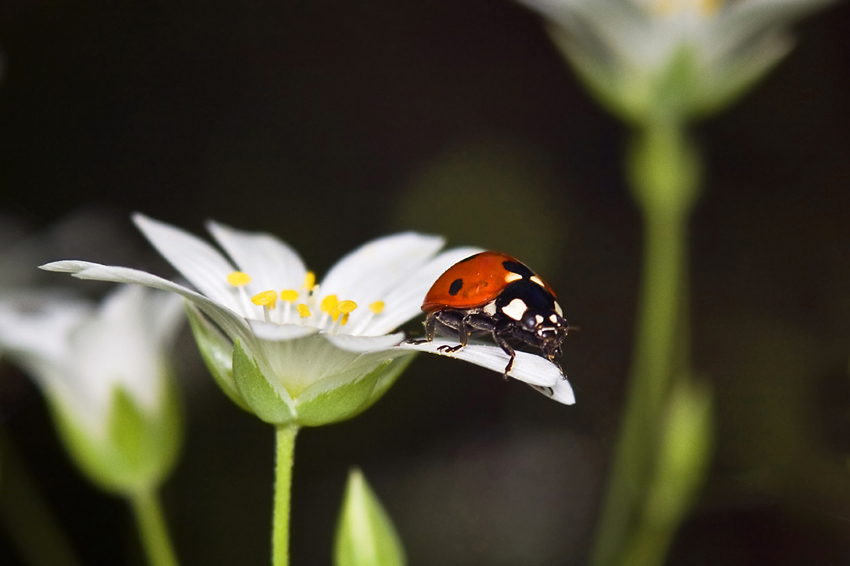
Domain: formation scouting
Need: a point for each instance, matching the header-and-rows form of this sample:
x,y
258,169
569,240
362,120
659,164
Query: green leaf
x,y
217,352
257,391
365,534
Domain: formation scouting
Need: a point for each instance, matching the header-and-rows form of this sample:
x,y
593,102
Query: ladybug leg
x,y
469,323
430,329
503,344
430,326
463,330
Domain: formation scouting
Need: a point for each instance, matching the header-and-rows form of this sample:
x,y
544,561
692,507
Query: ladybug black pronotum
x,y
494,293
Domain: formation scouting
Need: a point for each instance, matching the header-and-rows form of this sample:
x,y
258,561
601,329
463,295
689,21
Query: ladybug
x,y
494,293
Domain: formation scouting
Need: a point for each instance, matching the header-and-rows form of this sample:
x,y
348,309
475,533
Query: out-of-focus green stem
x,y
664,178
283,485
26,517
152,528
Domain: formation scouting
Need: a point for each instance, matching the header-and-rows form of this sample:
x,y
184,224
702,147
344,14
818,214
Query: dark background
x,y
329,123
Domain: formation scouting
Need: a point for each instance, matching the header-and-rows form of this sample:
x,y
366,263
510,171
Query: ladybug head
x,y
548,330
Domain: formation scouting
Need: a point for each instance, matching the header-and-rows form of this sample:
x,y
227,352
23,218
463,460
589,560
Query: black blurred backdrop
x,y
329,123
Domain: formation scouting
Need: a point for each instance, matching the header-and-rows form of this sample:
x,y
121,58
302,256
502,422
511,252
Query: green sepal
x,y
385,381
138,450
257,391
365,533
673,90
217,352
338,402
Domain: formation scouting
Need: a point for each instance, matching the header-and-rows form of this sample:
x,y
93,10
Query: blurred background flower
x,y
334,124
105,374
672,58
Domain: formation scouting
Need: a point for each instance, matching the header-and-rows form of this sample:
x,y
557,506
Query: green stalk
x,y
152,528
663,175
283,484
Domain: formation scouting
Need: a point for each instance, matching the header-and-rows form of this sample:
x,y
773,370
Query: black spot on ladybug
x,y
518,268
454,289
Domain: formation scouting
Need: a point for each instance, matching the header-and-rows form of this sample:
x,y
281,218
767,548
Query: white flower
x,y
294,351
684,58
104,371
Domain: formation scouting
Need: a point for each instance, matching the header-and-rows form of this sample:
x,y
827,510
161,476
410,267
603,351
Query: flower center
x,y
330,313
705,8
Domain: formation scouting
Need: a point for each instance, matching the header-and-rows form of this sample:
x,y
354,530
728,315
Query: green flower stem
x,y
26,517
663,175
283,483
152,528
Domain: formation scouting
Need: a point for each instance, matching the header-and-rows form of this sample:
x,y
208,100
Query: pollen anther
x,y
290,295
329,304
377,307
266,299
238,278
309,281
346,307
303,310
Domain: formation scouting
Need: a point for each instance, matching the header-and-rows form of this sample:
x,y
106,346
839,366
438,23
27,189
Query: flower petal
x,y
404,301
530,368
270,262
363,344
196,260
40,326
371,271
232,324
118,347
561,392
279,332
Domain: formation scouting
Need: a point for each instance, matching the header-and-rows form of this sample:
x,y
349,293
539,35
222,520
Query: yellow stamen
x,y
238,279
329,304
346,306
303,310
309,281
704,7
266,299
377,307
710,7
289,295
344,318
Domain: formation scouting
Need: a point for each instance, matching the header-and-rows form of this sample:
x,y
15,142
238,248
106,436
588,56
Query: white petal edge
x,y
200,263
279,332
364,344
271,262
405,300
529,368
232,323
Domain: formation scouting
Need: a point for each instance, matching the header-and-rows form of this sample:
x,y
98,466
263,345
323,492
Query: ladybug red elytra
x,y
495,293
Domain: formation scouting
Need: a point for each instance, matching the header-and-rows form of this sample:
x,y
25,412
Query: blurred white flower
x,y
674,58
292,351
105,373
